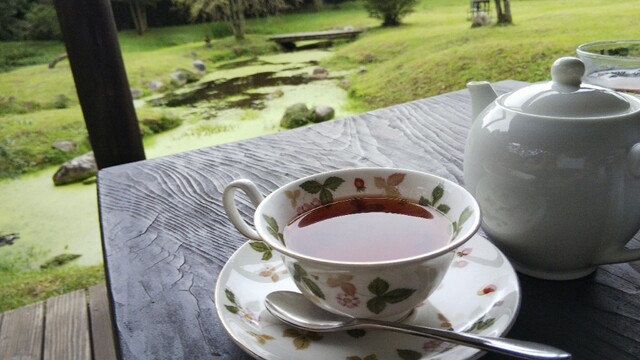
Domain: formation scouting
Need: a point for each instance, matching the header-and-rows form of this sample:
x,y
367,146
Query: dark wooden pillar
x,y
91,40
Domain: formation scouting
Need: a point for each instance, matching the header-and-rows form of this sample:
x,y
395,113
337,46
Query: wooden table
x,y
166,236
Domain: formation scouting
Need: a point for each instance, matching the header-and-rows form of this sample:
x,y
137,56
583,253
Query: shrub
x,y
389,11
61,102
154,125
14,54
220,29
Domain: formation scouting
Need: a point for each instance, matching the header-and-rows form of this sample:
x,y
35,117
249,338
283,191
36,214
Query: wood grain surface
x,y
102,344
166,236
66,335
21,332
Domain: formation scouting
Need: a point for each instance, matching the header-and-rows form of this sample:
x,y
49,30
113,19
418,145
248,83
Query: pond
x,y
234,102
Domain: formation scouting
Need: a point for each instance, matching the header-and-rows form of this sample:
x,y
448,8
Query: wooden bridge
x,y
288,41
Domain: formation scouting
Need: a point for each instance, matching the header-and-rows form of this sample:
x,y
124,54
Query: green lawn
x,y
435,51
25,287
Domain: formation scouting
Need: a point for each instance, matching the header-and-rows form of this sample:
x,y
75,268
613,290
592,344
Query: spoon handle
x,y
517,348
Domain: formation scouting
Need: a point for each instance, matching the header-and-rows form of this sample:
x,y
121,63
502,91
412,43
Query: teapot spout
x,y
482,94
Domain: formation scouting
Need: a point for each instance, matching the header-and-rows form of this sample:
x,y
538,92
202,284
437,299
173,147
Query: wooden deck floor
x,y
73,326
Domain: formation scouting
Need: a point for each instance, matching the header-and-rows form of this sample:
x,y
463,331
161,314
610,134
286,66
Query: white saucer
x,y
479,294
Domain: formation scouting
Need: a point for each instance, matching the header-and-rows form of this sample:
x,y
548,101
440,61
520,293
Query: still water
x,y
228,104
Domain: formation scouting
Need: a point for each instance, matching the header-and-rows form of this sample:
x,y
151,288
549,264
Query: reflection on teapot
x,y
555,169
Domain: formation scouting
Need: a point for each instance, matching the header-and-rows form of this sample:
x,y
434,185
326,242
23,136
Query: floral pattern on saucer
x,y
487,301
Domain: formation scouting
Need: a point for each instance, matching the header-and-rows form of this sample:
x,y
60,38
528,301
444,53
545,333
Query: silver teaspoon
x,y
294,309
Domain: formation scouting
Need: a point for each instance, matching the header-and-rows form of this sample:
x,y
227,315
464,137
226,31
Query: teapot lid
x,y
565,96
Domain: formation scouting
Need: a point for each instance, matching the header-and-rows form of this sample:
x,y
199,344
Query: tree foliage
x,y
13,25
389,11
28,20
43,22
234,11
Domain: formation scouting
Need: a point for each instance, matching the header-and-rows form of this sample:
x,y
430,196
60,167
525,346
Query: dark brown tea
x,y
368,229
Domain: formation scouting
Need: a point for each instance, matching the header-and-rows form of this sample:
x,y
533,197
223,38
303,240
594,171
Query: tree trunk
x,y
317,5
236,18
139,15
504,17
507,12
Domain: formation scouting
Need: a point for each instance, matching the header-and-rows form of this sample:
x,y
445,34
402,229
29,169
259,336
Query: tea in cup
x,y
364,242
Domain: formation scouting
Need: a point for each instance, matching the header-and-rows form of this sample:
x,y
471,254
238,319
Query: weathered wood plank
x,y
21,333
67,328
101,325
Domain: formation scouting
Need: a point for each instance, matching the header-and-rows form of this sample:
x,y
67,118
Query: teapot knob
x,y
567,72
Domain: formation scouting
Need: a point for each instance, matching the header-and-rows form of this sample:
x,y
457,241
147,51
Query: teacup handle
x,y
229,203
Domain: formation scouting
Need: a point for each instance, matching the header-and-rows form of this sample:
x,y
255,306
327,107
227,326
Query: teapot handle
x,y
618,256
633,160
229,203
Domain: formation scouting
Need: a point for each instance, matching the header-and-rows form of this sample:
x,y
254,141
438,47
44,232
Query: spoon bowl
x,y
294,309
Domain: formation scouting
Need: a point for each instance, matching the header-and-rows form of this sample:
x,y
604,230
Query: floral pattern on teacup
x,y
322,192
273,228
436,194
390,184
375,295
314,203
324,189
293,197
379,293
359,184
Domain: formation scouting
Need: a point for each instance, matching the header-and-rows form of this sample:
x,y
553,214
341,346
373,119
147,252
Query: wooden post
x,y
90,37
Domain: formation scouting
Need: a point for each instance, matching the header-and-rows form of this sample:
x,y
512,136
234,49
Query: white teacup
x,y
375,287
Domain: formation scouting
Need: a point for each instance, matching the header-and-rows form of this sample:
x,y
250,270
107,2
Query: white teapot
x,y
555,167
